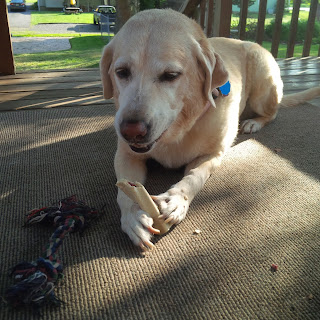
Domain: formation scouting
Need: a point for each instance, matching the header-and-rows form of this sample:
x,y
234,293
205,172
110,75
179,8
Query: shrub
x,y
34,6
251,29
301,32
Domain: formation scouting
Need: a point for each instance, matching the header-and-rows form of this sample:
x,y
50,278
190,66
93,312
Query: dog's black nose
x,y
133,131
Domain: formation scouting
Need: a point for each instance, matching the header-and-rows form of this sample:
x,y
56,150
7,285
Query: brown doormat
x,y
260,208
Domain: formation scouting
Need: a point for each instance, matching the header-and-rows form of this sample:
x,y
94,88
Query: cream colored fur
x,y
187,127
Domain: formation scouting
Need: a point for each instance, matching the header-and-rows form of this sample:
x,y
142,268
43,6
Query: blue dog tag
x,y
225,89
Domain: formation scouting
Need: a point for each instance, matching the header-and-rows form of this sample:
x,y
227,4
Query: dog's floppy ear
x,y
105,64
215,74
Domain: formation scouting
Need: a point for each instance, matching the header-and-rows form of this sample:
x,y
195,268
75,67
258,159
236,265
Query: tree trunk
x,y
123,13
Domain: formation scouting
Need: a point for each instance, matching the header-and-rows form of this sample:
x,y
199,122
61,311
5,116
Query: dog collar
x,y
223,90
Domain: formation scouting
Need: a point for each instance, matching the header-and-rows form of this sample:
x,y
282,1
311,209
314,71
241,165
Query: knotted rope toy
x,y
35,281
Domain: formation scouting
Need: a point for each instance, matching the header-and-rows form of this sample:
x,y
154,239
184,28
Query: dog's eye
x,y
123,73
169,76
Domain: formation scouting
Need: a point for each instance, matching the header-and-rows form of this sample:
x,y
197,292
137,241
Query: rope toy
x,y
35,281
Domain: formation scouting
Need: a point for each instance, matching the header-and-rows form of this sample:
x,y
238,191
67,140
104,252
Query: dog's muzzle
x,y
136,133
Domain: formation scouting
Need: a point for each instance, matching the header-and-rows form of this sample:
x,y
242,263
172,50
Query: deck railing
x,y
214,16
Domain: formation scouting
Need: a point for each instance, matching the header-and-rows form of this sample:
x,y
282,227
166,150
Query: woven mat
x,y
261,207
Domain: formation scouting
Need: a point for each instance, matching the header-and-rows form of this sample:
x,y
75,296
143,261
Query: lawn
x,y
85,52
59,17
297,50
251,28
253,17
37,34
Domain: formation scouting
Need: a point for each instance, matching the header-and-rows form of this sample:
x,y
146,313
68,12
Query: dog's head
x,y
161,72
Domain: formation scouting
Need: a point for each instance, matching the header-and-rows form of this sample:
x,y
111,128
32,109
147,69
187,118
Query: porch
x,y
260,208
74,88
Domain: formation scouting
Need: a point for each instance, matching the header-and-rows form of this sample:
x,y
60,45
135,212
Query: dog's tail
x,y
291,100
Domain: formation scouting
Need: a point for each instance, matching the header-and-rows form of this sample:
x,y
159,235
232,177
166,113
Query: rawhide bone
x,y
138,194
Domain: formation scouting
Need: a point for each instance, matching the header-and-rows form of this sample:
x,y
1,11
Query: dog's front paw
x,y
250,126
138,226
173,205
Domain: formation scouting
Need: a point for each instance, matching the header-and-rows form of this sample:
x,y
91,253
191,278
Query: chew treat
x,y
138,194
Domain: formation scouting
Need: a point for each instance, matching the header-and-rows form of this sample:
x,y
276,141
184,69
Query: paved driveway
x,y
63,28
20,20
39,44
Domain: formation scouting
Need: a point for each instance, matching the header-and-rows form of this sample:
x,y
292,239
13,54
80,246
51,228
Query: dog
x,y
179,97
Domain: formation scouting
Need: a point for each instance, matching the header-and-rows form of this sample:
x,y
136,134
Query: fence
x,y
214,16
107,24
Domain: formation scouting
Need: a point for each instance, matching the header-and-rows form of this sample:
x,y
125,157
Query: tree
x,y
238,2
149,4
123,13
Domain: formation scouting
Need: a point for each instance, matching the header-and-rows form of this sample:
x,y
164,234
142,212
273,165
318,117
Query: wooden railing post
x,y
6,53
203,5
293,28
215,19
277,28
222,18
244,4
189,6
310,27
210,18
261,21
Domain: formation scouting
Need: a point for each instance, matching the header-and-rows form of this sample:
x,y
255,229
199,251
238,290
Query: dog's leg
x,y
255,124
134,222
265,105
265,96
174,203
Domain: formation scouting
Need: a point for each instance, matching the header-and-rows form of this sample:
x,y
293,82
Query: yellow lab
x,y
179,97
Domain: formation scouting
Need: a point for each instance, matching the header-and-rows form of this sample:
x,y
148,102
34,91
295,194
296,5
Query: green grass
x,y
35,34
253,17
85,52
297,50
251,29
59,17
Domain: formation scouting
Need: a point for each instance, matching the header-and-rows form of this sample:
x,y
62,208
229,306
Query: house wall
x,y
54,3
42,4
